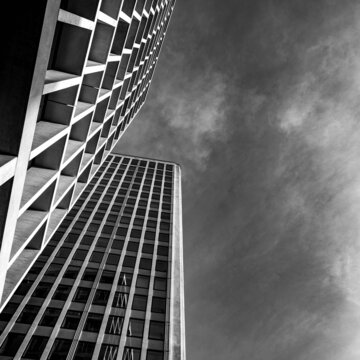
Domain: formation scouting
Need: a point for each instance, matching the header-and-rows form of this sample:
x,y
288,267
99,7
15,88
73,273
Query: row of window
x,y
61,348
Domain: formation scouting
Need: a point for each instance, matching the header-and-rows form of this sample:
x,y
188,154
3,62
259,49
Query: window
x,y
120,300
71,320
163,250
157,330
11,344
132,246
158,305
89,274
154,355
129,261
93,322
160,284
149,235
114,325
102,242
42,289
36,347
96,257
145,264
87,240
139,302
107,277
125,279
80,255
50,317
101,297
136,328
148,248
60,349
108,352
62,292
53,270
84,350
24,287
8,311
63,252
28,314
72,272
113,259
82,295
164,237
161,266
117,244
142,281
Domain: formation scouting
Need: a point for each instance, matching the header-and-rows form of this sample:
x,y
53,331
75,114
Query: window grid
x,y
140,173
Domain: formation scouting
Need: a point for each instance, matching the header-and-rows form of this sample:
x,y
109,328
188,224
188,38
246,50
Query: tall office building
x,y
109,284
74,73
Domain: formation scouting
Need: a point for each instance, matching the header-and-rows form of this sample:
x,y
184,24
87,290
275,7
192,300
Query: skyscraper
x,y
73,76
109,284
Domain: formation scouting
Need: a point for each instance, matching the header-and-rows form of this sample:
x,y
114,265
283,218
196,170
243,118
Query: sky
x,y
259,101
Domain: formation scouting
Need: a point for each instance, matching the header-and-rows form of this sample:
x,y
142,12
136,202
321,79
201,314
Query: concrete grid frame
x,y
109,284
73,76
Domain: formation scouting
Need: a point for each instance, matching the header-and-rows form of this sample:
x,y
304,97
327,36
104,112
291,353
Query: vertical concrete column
x,y
23,63
177,346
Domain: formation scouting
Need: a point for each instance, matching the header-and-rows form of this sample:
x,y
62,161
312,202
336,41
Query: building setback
x,y
109,284
73,76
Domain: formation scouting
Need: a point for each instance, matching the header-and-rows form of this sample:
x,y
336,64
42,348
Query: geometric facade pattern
x,y
75,74
109,283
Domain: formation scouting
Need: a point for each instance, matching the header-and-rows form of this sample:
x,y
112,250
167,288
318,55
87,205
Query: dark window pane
x,y
53,270
28,315
36,347
125,279
71,320
8,311
62,292
161,266
93,322
163,250
160,284
157,330
11,344
24,287
84,350
89,274
60,349
129,261
72,272
96,256
117,244
139,302
114,325
158,305
101,297
136,328
145,264
120,300
113,259
50,317
108,352
42,289
154,355
82,295
131,354
80,255
132,246
143,282
107,277
148,248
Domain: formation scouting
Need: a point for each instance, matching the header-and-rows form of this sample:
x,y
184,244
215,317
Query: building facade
x,y
109,283
73,76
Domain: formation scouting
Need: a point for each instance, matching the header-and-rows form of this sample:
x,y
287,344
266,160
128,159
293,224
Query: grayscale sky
x,y
259,101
